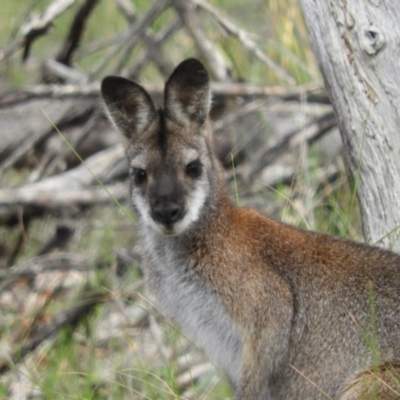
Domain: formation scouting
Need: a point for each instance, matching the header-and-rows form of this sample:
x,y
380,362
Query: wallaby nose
x,y
167,213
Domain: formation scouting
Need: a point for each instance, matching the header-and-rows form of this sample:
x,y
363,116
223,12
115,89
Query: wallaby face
x,y
285,313
169,153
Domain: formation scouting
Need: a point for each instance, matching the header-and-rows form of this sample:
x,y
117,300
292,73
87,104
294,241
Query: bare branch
x,y
312,92
63,72
205,46
37,333
36,26
76,32
129,37
311,132
153,48
245,39
78,186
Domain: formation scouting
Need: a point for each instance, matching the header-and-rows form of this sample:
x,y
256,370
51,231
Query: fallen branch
x,y
27,124
312,92
74,188
44,263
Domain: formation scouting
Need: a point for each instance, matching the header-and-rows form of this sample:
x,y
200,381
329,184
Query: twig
x,y
76,31
59,240
50,91
245,39
22,18
311,132
38,334
312,92
23,226
159,39
206,48
45,263
37,26
54,158
67,113
193,374
131,34
152,47
231,118
75,187
62,72
64,200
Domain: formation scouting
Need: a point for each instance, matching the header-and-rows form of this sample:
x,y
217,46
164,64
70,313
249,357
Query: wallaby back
x,y
286,313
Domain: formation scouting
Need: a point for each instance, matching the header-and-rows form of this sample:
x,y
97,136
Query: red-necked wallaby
x,y
286,313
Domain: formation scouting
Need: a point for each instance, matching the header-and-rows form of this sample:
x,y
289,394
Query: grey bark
x,y
357,44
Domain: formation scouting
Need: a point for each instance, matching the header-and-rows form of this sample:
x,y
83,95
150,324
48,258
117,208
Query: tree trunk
x,y
357,44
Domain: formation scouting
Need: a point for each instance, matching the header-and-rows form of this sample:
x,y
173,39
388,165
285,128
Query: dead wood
x,y
37,332
39,202
150,53
272,151
129,37
76,31
23,227
310,93
245,39
57,72
43,263
192,23
36,26
50,91
77,187
64,152
59,240
153,47
25,125
356,45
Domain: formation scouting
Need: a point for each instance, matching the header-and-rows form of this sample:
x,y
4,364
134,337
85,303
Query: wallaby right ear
x,y
187,93
129,106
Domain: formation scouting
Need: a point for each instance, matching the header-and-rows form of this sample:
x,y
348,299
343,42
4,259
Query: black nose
x,y
167,213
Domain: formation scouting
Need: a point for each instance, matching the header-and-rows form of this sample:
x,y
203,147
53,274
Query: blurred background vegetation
x,y
75,322
277,27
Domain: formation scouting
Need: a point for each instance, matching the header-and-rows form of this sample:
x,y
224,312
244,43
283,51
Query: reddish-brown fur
x,y
286,313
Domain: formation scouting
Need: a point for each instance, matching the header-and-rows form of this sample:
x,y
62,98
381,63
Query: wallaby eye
x,y
194,169
139,175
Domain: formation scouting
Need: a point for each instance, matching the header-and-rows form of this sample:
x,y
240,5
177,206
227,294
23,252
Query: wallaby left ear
x,y
187,93
129,106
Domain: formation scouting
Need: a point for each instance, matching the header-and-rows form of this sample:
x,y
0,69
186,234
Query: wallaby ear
x,y
129,106
187,93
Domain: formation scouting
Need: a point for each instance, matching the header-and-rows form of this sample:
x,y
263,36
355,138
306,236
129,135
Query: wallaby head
x,y
172,167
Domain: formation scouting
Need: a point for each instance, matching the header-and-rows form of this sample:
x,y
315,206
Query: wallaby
x,y
285,313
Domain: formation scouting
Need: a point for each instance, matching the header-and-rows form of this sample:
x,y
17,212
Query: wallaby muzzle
x,y
166,201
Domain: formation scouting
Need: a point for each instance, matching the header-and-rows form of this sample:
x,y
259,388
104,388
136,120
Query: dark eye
x,y
194,169
139,175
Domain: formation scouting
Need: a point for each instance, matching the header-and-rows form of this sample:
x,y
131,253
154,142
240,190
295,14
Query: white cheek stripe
x,y
143,208
194,206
